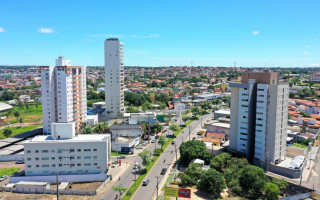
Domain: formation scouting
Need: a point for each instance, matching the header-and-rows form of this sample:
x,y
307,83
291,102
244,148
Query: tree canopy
x,y
194,149
212,182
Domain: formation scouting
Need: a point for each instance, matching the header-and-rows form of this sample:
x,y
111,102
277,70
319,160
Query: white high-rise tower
x,y
64,94
114,73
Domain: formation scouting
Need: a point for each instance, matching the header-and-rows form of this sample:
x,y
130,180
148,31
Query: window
x,y
53,165
71,150
37,158
94,149
95,157
44,151
87,164
95,164
87,149
78,157
36,151
79,150
29,166
45,165
28,158
45,158
53,158
60,165
72,165
37,165
79,164
87,157
52,151
28,151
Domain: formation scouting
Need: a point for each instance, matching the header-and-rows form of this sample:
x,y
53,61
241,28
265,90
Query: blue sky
x,y
162,33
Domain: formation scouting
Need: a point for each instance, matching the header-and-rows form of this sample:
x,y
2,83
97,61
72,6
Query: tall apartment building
x,y
114,81
67,153
259,115
315,77
64,94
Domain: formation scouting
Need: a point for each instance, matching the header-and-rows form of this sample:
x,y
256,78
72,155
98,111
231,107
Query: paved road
x,y
128,177
147,192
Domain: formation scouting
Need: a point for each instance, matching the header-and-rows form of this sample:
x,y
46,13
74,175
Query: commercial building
x,y
149,117
114,77
125,130
315,77
66,153
259,116
64,94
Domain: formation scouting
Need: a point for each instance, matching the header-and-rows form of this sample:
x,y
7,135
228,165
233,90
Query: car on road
x,y
20,162
163,171
145,182
122,157
144,144
4,177
173,142
135,166
153,141
156,137
115,162
139,147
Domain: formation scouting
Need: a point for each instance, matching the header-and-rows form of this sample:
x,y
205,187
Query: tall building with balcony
x,y
64,94
114,77
259,115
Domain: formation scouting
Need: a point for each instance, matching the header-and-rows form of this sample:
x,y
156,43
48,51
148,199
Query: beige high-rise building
x,y
64,94
259,115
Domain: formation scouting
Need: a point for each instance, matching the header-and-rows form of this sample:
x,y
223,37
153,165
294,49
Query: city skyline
x,y
163,33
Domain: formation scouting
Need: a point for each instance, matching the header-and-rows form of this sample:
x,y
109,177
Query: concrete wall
x,y
13,157
62,178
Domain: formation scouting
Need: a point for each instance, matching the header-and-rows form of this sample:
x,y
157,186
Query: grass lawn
x,y
32,114
8,171
141,177
18,130
299,145
119,154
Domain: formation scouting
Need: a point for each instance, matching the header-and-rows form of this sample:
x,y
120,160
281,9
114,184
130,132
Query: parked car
x,y
144,143
139,147
122,157
20,162
4,177
156,137
145,182
135,166
153,141
163,171
173,142
115,162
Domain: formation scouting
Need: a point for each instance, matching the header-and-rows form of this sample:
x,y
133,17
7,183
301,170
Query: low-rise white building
x,y
125,130
67,153
149,117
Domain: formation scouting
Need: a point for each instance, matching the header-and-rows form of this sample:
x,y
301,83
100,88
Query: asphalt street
x,y
128,177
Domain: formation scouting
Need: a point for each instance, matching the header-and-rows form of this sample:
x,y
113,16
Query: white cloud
x,y
306,52
255,32
146,36
1,30
46,30
308,46
314,65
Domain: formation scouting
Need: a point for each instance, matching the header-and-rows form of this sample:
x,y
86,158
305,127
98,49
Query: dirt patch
x,y
15,196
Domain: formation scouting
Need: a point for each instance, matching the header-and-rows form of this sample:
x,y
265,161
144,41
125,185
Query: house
x,y
125,130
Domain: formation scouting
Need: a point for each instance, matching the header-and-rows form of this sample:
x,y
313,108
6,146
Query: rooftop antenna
x,y
191,63
235,64
266,64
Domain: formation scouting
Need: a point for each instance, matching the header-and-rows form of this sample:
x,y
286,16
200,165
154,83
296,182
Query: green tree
x,y
83,125
194,149
161,141
157,152
7,132
145,156
226,99
185,118
192,175
174,127
17,114
121,189
292,95
99,128
195,110
281,183
21,121
87,130
272,191
252,180
132,109
212,182
219,162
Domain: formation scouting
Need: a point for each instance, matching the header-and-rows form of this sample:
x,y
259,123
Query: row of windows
x,y
60,158
60,150
60,165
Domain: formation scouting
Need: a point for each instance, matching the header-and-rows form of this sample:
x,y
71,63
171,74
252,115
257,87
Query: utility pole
x,y
135,176
157,186
57,185
201,122
189,132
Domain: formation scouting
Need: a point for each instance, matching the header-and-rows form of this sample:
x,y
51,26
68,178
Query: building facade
x,y
64,94
114,77
66,153
259,116
315,77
